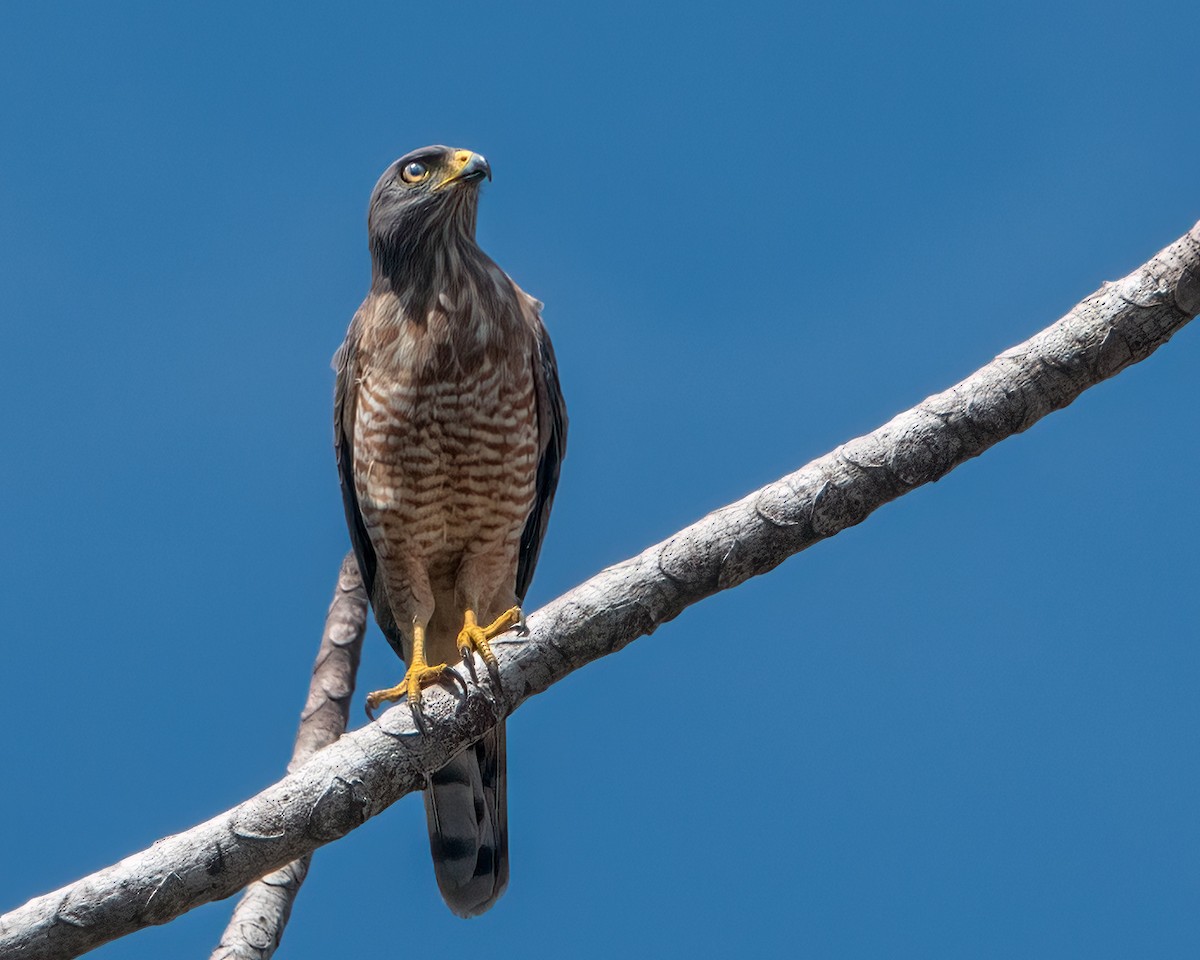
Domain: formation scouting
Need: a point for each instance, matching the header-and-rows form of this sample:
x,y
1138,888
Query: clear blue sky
x,y
969,727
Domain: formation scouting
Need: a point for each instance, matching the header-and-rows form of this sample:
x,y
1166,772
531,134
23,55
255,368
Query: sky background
x,y
972,725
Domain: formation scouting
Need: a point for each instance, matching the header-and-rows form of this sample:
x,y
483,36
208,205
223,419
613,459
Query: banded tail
x,y
466,808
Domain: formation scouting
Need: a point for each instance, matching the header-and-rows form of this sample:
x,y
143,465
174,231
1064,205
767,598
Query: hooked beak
x,y
469,168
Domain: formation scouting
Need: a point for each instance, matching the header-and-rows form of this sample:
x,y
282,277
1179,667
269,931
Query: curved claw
x,y
447,677
455,679
493,671
414,707
489,660
468,659
473,638
378,699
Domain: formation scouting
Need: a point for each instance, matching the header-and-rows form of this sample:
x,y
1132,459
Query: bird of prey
x,y
449,427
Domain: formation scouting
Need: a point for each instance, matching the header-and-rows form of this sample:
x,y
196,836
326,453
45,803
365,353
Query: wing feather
x,y
345,402
552,447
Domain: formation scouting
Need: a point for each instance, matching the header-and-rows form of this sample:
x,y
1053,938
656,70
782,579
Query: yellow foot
x,y
419,675
473,638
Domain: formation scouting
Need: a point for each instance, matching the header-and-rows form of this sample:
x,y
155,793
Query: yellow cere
x,y
461,158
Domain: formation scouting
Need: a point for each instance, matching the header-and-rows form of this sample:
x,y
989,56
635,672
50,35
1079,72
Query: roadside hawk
x,y
449,427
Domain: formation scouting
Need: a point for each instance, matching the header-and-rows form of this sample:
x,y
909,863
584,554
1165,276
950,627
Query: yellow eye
x,y
414,172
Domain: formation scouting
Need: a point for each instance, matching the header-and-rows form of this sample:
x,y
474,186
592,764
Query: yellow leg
x,y
473,638
418,675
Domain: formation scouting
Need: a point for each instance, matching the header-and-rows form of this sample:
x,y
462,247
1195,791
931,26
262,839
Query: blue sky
x,y
971,727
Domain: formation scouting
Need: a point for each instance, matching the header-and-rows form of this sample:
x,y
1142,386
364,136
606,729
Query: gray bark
x,y
258,920
364,772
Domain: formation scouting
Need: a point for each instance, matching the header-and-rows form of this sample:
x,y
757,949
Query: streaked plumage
x,y
449,428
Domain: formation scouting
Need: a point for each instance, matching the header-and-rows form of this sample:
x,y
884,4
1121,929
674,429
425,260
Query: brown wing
x,y
552,447
345,400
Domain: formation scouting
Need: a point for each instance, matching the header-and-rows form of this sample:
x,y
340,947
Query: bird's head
x,y
428,196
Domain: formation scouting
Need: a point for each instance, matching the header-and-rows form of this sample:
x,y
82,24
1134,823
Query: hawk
x,y
449,427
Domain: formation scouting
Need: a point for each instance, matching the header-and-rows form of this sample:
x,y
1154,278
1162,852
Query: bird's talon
x,y
473,638
414,707
377,698
468,659
456,680
419,675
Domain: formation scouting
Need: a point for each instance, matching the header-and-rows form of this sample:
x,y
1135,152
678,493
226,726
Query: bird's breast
x,y
446,455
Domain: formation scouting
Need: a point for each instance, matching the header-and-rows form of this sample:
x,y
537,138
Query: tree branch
x,y
365,771
258,920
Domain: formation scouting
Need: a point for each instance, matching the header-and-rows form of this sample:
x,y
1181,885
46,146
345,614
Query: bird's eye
x,y
414,172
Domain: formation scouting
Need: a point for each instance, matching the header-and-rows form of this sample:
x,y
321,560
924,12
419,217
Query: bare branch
x,y
365,771
258,920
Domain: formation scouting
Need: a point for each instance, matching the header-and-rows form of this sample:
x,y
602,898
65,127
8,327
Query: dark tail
x,y
467,811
